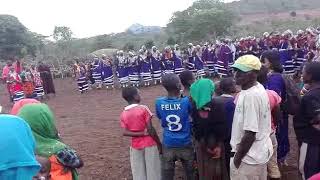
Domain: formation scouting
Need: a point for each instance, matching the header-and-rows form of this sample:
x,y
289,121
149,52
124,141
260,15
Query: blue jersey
x,y
174,117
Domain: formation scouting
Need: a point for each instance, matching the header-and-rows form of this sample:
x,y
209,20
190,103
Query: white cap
x,y
300,32
266,34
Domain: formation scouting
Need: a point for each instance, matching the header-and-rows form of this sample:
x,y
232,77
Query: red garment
x,y
274,100
28,88
135,118
57,171
18,67
14,82
5,72
36,78
315,177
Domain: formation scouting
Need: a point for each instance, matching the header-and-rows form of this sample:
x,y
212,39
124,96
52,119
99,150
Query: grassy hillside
x,y
272,6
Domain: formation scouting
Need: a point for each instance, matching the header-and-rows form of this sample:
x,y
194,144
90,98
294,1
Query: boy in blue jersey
x,y
173,112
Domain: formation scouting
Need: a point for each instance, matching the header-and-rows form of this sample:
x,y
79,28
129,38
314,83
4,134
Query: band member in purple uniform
x,y
156,65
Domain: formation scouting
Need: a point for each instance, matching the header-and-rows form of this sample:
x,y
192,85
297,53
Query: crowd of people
x,y
236,128
148,65
27,81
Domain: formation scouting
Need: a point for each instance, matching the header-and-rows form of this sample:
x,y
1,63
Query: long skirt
x,y
82,84
97,77
200,73
123,75
39,90
146,76
48,84
283,139
108,81
211,67
156,75
18,96
222,69
209,168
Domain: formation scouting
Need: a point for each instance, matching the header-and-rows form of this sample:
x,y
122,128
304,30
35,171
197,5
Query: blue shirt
x,y
174,118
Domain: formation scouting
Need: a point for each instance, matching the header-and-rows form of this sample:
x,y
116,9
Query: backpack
x,y
291,103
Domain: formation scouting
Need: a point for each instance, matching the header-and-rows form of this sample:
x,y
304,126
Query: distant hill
x,y
140,29
244,7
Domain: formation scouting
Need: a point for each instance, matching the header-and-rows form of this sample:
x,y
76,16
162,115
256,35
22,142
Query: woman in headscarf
x,y
17,160
18,105
210,131
63,159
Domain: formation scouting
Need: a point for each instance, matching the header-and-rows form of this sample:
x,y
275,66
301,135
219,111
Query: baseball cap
x,y
247,63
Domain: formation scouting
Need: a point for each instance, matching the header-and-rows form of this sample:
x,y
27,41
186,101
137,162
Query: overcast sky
x,y
91,17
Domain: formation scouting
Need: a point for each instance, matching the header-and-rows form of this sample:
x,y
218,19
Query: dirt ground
x,y
90,124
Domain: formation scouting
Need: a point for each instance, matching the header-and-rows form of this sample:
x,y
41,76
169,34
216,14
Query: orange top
x,y
57,170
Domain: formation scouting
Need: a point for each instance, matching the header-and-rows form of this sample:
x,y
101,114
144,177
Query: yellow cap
x,y
247,63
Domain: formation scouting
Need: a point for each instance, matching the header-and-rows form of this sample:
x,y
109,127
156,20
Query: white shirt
x,y
233,50
253,113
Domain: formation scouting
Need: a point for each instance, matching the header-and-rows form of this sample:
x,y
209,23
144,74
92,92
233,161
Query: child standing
x,y
28,85
37,82
15,82
145,144
228,90
186,78
173,112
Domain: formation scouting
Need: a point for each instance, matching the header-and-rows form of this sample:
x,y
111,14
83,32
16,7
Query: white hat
x,y
266,34
300,32
131,53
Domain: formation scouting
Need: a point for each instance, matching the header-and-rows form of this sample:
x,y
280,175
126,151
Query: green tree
x,y
63,37
101,42
149,44
62,33
128,46
171,41
15,39
204,19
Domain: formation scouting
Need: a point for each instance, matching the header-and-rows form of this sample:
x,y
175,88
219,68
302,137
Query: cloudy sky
x,y
91,17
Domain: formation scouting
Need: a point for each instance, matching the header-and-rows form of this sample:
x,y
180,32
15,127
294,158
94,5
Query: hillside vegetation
x,y
244,7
